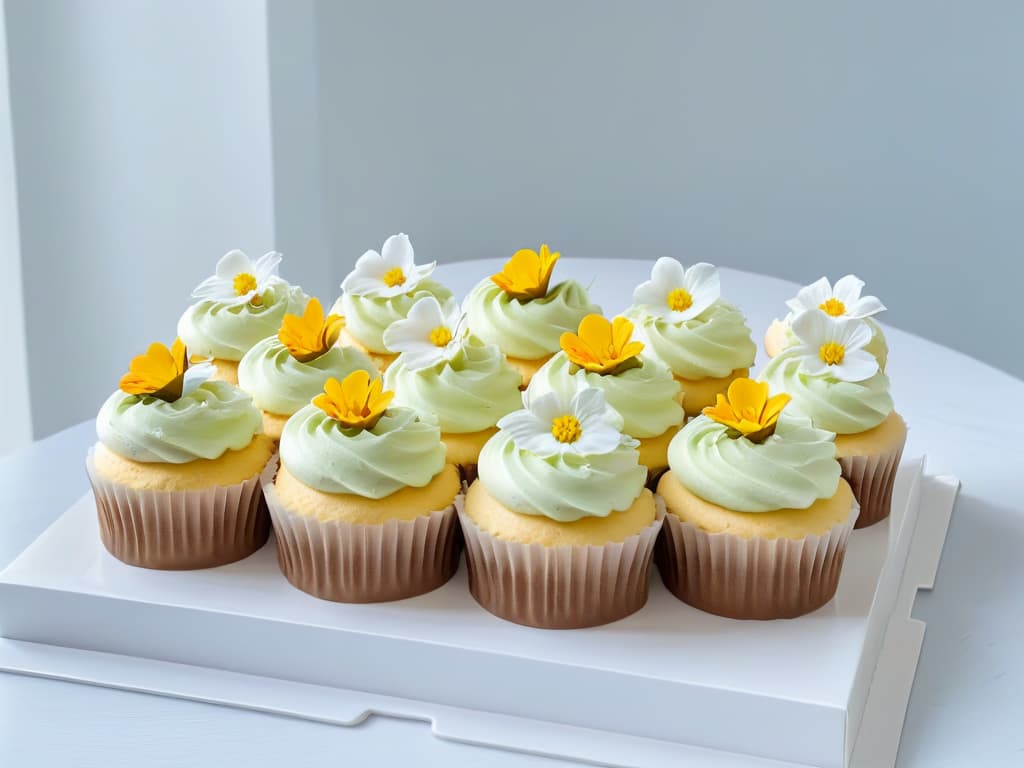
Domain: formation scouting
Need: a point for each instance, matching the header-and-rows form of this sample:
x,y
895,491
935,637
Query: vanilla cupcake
x,y
517,311
758,517
285,372
838,385
559,527
641,388
381,289
241,304
456,379
362,503
842,300
176,471
686,324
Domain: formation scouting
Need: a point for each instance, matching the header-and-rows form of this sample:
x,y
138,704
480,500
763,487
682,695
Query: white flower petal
x,y
196,375
233,263
847,289
527,432
416,357
546,407
813,328
811,296
812,364
214,288
597,437
590,405
397,252
265,267
857,365
851,333
865,306
668,273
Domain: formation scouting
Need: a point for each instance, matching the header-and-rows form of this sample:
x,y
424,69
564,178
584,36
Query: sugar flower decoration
x,y
841,300
602,346
527,274
310,335
430,333
357,402
677,294
391,272
165,373
549,425
747,410
240,280
834,345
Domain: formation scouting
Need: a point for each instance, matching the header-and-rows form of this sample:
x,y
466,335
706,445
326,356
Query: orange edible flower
x,y
310,335
602,346
356,402
160,372
748,409
526,275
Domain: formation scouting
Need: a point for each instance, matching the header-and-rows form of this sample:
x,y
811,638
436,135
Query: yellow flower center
x,y
243,283
440,336
832,353
833,307
566,429
680,300
394,276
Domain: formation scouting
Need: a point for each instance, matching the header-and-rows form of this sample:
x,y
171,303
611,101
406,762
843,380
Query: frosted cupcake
x,y
838,384
242,303
362,503
842,300
456,379
284,372
176,471
518,311
381,289
758,517
641,388
685,323
559,527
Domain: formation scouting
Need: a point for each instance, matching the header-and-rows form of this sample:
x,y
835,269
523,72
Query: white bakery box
x,y
669,685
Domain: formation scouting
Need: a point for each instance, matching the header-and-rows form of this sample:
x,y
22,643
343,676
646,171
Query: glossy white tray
x,y
667,686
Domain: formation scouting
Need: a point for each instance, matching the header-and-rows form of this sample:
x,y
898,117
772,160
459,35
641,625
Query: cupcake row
x,y
560,525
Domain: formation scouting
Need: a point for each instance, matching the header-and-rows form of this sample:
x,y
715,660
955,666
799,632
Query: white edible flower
x,y
834,345
239,279
196,374
430,333
391,272
841,300
675,293
553,425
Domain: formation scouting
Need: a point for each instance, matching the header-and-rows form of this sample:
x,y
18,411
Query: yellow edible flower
x,y
748,409
602,346
310,335
356,402
160,372
526,275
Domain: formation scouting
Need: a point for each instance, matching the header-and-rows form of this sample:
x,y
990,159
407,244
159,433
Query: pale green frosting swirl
x,y
400,451
367,317
211,419
792,469
711,345
469,393
213,329
528,330
843,407
877,346
281,384
564,488
645,396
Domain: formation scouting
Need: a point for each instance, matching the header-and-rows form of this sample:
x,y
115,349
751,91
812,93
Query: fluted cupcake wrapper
x,y
349,563
872,479
751,578
560,587
180,530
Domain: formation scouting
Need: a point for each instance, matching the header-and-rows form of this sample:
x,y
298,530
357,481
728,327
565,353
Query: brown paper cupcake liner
x,y
753,578
180,530
349,563
872,478
560,587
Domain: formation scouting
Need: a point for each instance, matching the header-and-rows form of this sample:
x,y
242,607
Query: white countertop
x,y
967,703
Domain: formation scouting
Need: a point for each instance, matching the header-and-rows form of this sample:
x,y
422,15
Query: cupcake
x,y
282,373
517,311
685,323
462,383
176,471
641,388
380,290
362,503
843,300
559,527
837,383
758,517
241,304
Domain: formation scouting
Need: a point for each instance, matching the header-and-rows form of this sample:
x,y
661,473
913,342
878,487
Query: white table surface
x,y
967,705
